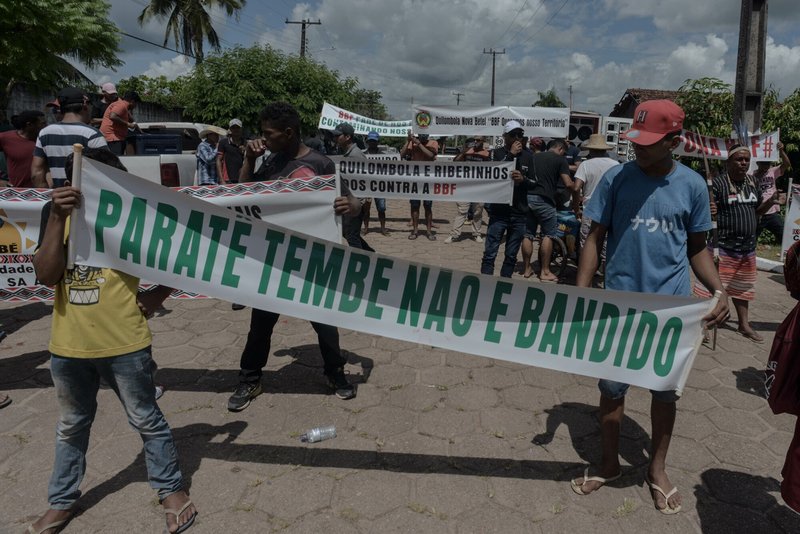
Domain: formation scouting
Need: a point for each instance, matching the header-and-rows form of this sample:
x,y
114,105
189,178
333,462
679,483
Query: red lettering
x,y
715,151
754,146
690,146
436,188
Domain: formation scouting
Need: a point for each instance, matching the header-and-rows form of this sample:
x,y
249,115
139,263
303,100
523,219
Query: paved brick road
x,y
436,441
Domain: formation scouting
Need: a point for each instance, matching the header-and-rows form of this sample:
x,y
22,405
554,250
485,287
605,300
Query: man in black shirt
x,y
230,153
549,168
504,219
289,158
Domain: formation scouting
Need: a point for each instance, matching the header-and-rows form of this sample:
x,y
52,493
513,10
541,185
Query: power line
x,y
514,18
494,53
303,42
557,11
525,26
156,44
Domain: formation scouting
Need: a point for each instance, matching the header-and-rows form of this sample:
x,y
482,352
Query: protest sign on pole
x,y
763,147
429,180
140,228
332,116
791,226
465,120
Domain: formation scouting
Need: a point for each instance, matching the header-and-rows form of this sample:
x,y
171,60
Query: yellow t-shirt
x,y
95,315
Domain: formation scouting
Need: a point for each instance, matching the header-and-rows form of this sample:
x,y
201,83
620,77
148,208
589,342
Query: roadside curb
x,y
770,266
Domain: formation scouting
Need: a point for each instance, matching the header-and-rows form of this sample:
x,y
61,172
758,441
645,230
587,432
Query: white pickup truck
x,y
165,152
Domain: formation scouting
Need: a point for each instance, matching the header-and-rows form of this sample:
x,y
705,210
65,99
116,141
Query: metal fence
x,y
23,97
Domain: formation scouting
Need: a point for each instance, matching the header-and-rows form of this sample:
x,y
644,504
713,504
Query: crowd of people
x,y
646,220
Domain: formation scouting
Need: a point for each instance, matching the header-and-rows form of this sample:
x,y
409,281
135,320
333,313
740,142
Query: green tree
x,y
37,35
238,82
368,103
158,90
549,99
784,115
708,104
189,23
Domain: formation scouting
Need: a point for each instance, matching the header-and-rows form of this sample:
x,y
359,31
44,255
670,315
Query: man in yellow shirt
x,y
100,331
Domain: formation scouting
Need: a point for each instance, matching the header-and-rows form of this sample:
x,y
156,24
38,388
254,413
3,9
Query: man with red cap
x,y
655,213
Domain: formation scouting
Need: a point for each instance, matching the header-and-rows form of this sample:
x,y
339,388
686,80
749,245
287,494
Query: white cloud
x,y
171,68
425,50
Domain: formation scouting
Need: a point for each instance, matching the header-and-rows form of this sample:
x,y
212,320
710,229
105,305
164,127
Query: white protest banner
x,y
333,116
20,216
428,180
465,120
791,226
138,227
763,147
395,156
303,204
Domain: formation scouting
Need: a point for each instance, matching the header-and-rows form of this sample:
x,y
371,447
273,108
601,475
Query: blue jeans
x,y
380,204
513,226
617,390
76,383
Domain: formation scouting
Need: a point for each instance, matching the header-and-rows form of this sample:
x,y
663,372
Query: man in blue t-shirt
x,y
655,213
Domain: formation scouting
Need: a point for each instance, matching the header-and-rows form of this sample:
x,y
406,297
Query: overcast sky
x,y
426,50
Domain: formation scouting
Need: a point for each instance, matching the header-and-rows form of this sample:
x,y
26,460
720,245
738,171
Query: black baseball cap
x,y
344,129
71,95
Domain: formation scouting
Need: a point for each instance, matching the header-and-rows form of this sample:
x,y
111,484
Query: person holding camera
x,y
505,220
420,148
475,150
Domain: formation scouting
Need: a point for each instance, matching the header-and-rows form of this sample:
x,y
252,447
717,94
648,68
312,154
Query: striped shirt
x,y
55,142
736,213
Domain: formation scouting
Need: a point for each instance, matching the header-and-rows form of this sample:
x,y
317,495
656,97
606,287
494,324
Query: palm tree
x,y
189,22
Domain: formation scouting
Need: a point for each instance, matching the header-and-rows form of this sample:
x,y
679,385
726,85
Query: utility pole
x,y
303,23
458,97
749,91
494,57
570,97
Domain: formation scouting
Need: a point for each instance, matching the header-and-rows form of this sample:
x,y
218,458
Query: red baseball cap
x,y
654,119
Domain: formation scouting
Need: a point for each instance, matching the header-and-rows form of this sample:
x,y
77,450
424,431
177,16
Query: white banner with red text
x,y
763,147
333,116
137,227
791,226
428,180
465,120
304,204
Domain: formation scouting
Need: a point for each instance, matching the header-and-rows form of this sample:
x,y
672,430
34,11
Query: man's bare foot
x,y
176,502
661,487
527,272
548,277
59,518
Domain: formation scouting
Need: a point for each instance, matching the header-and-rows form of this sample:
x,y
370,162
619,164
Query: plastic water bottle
x,y
318,434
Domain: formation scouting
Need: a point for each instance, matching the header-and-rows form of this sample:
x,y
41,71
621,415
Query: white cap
x,y
511,126
235,122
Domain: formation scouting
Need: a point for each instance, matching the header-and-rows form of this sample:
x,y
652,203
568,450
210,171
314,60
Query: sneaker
x,y
237,307
242,396
340,386
478,239
448,240
159,392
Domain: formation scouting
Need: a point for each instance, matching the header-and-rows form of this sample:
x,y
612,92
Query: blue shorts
x,y
541,213
617,390
415,204
380,204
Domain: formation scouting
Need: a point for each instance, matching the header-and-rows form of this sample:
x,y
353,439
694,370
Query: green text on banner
x,y
139,227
